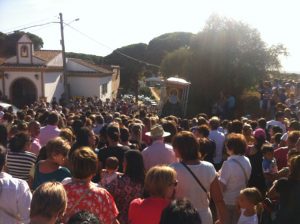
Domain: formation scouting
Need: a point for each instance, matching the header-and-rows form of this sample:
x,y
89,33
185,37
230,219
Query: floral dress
x,y
124,190
95,199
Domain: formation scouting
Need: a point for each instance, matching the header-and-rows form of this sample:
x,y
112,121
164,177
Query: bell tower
x,y
24,50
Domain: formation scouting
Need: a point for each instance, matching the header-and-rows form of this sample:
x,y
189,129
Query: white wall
x,y
54,85
90,86
74,66
56,61
12,76
13,60
83,86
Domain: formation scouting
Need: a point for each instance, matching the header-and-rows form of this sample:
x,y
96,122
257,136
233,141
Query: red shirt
x,y
146,211
281,157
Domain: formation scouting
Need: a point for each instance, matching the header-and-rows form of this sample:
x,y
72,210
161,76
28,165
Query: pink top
x,y
35,146
47,133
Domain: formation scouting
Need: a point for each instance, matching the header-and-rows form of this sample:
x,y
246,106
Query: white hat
x,y
157,131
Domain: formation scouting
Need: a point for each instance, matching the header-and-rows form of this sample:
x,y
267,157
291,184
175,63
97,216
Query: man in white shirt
x,y
159,152
15,196
219,138
279,121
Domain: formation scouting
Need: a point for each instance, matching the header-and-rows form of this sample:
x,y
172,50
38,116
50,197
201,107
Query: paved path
x,y
155,93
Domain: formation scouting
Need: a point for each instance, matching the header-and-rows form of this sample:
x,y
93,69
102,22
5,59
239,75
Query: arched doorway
x,y
23,92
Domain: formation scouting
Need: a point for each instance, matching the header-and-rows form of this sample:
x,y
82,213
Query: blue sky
x,y
112,24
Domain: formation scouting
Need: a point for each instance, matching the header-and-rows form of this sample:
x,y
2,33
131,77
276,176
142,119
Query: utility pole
x,y
66,87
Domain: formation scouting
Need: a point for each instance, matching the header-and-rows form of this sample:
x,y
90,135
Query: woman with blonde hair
x,y
49,202
160,184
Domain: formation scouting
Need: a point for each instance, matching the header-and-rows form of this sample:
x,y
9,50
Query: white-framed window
x,y
104,88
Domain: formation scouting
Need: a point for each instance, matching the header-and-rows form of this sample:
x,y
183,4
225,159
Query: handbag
x,y
197,180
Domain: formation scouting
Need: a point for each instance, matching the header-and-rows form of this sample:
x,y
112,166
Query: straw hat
x,y
157,131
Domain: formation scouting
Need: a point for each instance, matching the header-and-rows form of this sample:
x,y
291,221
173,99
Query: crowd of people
x,y
112,162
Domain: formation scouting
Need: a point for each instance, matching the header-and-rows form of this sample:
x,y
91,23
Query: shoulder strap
x,y
80,199
243,169
197,180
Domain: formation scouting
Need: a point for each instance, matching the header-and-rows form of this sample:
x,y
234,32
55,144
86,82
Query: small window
x,y
104,89
24,51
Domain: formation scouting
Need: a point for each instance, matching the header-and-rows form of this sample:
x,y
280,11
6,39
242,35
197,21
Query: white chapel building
x,y
33,75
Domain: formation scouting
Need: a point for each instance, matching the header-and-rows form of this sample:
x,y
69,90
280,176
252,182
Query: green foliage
x,y
226,57
177,62
160,46
87,57
130,69
145,91
8,42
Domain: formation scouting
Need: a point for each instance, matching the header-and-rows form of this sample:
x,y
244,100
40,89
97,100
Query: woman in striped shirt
x,y
19,161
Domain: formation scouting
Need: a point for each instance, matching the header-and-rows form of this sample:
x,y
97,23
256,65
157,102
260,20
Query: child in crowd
x,y
269,164
248,200
110,172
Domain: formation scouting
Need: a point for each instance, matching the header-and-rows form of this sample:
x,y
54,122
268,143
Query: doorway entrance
x,y
23,92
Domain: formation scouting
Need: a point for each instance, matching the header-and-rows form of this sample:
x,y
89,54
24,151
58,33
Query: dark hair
x,y
207,147
18,142
267,148
3,152
277,138
187,145
3,135
52,118
236,143
135,166
262,123
184,124
82,137
84,217
113,132
279,114
295,125
236,127
76,126
170,127
112,163
204,130
276,129
124,134
180,211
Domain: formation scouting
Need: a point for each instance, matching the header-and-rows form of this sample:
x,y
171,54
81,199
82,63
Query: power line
x,y
119,52
25,25
96,41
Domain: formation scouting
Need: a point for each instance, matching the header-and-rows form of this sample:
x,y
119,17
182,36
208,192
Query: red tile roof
x,y
91,65
46,55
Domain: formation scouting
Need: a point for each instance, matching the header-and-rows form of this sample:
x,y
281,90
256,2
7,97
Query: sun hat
x,y
259,133
157,131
